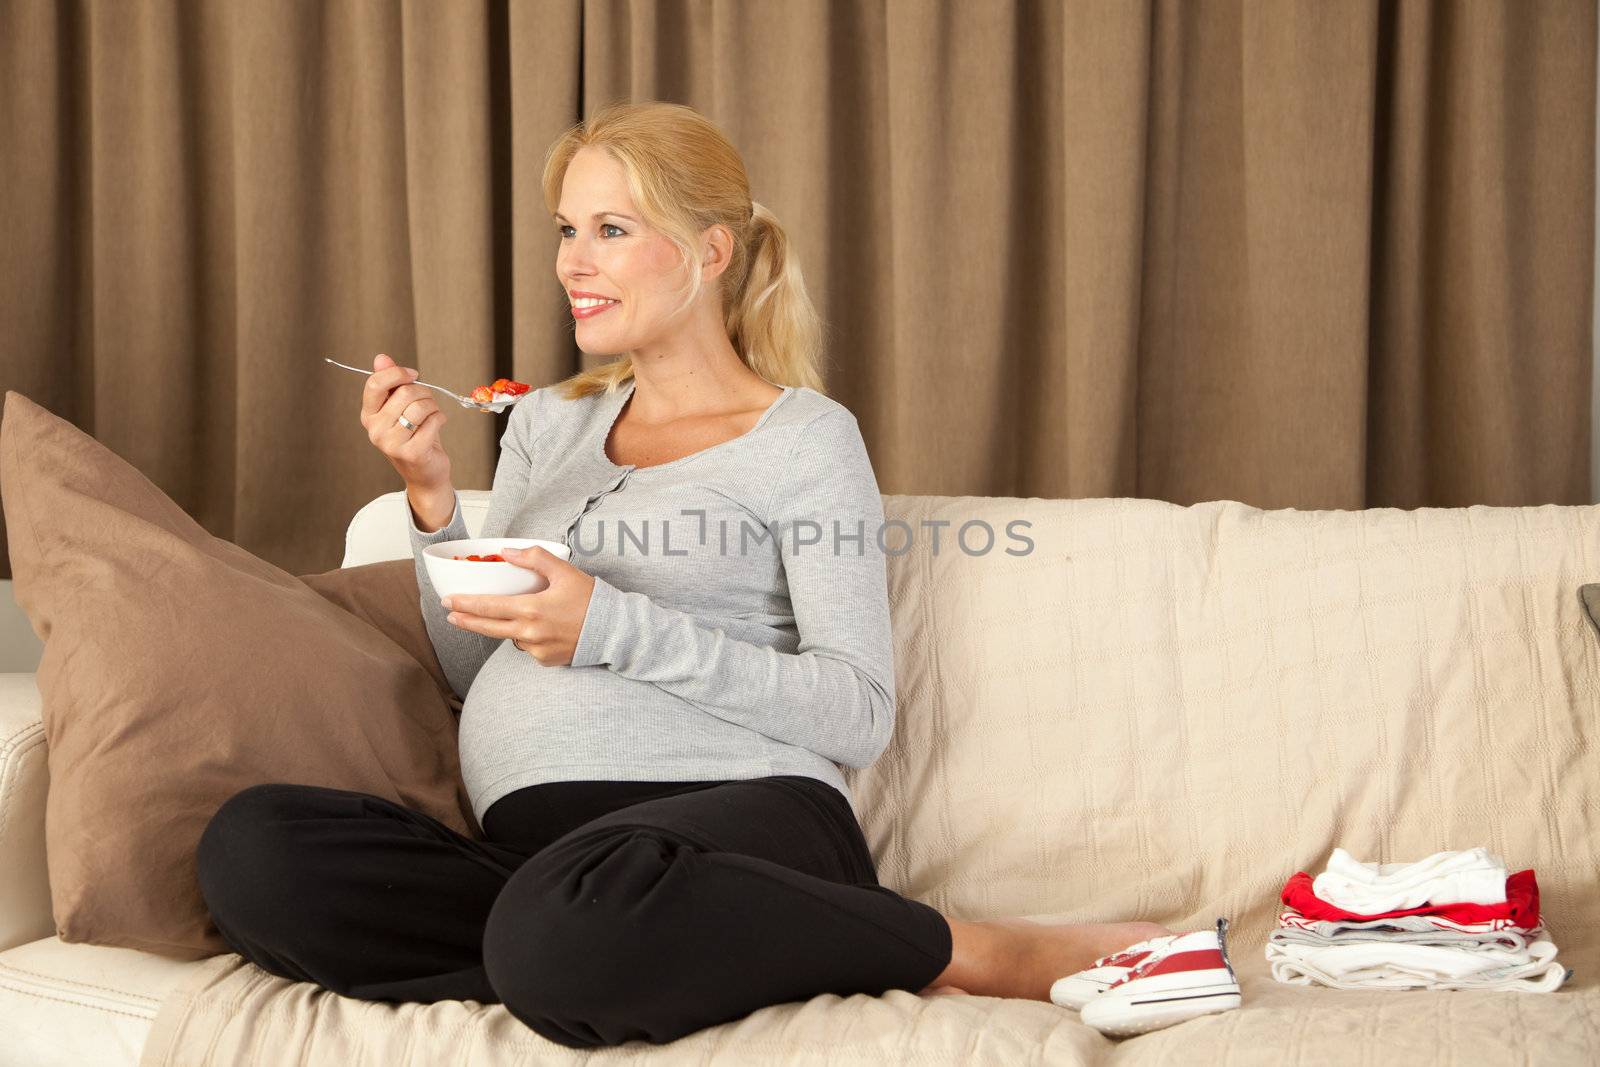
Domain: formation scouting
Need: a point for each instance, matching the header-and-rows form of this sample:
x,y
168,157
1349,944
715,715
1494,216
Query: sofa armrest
x,y
25,913
378,530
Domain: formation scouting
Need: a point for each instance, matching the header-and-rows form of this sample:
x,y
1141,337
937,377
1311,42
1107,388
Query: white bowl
x,y
465,576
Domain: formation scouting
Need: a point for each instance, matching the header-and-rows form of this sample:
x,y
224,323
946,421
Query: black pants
x,y
597,912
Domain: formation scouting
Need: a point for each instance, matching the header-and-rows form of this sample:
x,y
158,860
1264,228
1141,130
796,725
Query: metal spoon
x,y
495,406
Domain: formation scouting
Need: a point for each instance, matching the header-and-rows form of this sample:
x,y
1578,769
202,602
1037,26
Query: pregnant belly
x,y
521,714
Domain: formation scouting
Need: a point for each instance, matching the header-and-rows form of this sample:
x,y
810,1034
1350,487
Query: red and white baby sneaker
x,y
1181,977
1076,990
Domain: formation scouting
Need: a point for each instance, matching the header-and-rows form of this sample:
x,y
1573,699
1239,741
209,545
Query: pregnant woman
x,y
652,744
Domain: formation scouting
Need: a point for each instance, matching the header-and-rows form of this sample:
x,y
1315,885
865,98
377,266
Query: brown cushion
x,y
386,595
179,669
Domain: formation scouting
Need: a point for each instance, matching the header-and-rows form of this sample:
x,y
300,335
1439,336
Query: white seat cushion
x,y
74,1004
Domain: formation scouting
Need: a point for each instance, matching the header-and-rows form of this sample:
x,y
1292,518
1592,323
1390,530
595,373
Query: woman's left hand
x,y
545,624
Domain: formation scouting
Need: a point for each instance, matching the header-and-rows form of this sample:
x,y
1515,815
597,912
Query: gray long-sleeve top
x,y
739,625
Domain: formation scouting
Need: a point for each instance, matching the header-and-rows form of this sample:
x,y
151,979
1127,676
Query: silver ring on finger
x,y
407,423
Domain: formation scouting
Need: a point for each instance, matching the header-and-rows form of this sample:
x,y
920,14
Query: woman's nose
x,y
570,267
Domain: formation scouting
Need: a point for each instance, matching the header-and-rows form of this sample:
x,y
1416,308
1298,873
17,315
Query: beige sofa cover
x,y
1159,712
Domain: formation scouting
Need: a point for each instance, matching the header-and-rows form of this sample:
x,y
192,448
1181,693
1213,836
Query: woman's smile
x,y
593,310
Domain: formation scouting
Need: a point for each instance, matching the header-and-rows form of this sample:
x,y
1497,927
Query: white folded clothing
x,y
1382,965
1514,940
1472,876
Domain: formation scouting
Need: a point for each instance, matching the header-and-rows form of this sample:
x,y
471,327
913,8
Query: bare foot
x,y
1023,959
1055,950
1036,954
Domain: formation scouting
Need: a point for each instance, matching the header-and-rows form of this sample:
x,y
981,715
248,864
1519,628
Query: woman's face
x,y
605,249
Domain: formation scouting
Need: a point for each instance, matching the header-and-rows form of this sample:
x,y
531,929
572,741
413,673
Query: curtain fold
x,y
1288,253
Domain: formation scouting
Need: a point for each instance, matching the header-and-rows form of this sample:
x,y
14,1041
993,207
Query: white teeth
x,y
589,302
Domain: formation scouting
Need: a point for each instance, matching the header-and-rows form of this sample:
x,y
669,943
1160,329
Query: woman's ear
x,y
716,251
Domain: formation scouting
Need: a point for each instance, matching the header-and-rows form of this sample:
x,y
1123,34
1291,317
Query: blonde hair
x,y
685,176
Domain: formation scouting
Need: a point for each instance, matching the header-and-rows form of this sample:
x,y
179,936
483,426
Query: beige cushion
x,y
385,595
179,669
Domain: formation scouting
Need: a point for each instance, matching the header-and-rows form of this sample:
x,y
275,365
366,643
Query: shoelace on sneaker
x,y
1130,954
1138,971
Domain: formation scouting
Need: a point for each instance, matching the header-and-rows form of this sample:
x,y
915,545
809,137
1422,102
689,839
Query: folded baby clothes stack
x,y
1455,920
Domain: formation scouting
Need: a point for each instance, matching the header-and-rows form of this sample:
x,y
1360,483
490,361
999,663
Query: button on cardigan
x,y
739,624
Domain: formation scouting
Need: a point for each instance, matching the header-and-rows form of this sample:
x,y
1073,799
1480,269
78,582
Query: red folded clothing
x,y
1521,905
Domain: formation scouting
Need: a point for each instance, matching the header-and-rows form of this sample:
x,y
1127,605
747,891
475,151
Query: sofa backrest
x,y
1161,712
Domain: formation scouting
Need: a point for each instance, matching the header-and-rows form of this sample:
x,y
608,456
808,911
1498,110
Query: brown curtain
x,y
1286,252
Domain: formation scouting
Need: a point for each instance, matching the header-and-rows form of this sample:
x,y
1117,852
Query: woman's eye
x,y
562,230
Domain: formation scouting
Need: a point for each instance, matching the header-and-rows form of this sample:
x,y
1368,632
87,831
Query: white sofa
x,y
1158,712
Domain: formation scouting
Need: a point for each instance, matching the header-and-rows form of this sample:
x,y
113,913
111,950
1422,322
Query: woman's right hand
x,y
417,454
